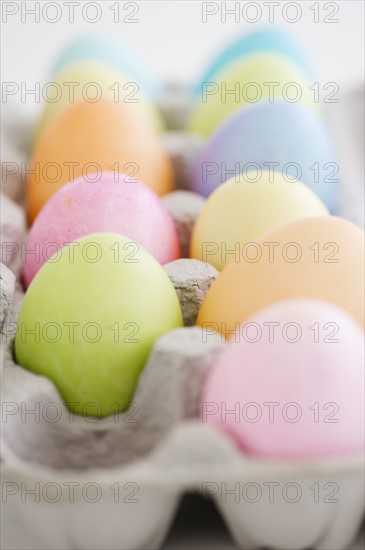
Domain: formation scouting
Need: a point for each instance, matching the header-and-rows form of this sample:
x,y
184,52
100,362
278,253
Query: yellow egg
x,y
92,81
242,209
87,139
319,258
260,77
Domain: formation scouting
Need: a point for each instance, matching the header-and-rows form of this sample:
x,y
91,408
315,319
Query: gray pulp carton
x,y
115,483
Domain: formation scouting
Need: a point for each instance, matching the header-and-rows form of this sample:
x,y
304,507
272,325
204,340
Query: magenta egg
x,y
111,203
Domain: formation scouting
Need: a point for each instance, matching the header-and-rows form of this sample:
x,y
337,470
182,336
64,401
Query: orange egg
x,y
87,138
313,257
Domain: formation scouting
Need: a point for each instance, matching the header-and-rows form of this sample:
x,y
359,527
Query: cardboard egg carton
x,y
129,471
116,483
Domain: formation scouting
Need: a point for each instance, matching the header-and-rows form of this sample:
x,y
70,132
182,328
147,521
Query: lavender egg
x,y
281,136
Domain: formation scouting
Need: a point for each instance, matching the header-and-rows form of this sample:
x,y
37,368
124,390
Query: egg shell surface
x,y
82,207
285,137
117,299
320,258
108,49
269,40
88,138
314,382
241,210
95,80
242,84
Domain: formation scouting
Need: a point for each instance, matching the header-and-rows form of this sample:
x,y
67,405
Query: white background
x,y
174,42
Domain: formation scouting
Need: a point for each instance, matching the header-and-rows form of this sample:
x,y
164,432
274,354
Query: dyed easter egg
x,y
108,205
321,258
242,209
284,137
100,304
108,49
92,81
264,40
298,389
90,138
247,82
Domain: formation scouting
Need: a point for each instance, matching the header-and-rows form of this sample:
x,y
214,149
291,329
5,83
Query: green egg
x,y
90,318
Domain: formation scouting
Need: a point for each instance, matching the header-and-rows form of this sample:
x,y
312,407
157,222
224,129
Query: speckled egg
x,y
111,204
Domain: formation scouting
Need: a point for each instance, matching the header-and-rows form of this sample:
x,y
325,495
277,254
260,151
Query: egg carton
x,y
117,482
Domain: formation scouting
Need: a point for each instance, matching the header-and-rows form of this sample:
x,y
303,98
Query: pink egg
x,y
82,207
290,385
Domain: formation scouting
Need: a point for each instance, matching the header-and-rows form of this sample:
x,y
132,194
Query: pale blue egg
x,y
111,50
270,40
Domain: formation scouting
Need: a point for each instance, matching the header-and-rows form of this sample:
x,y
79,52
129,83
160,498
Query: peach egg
x,y
86,139
321,258
95,80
